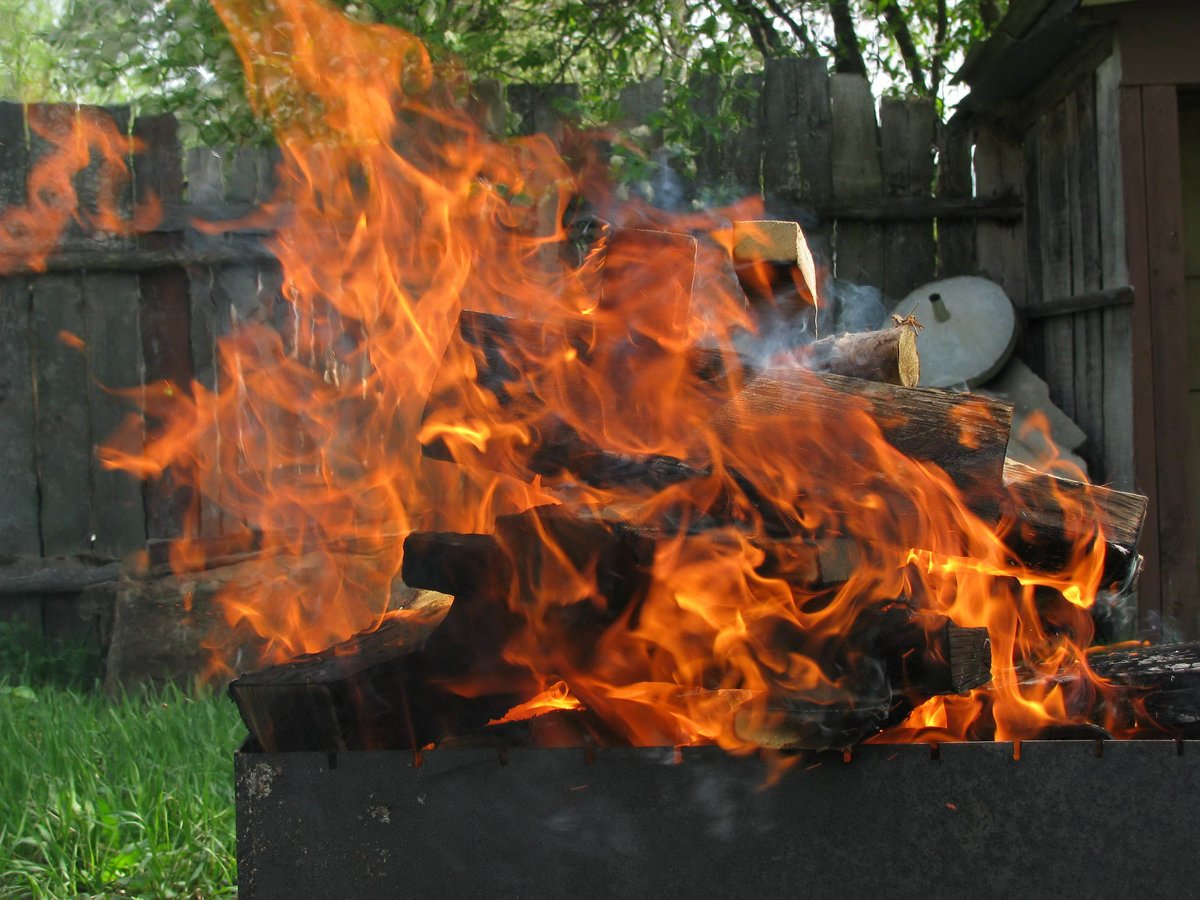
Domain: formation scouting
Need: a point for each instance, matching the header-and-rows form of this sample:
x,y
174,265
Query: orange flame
x,y
400,211
76,137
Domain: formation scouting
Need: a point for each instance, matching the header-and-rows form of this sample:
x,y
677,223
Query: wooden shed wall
x,y
1063,265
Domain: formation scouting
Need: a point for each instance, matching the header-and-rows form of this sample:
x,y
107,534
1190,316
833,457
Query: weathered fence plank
x,y
64,437
907,136
1058,334
797,130
204,178
158,172
1000,247
1117,322
18,474
114,357
857,177
955,239
543,108
1085,270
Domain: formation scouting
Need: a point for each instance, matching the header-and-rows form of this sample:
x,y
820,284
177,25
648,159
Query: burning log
x,y
1051,516
1159,684
919,656
371,691
895,659
962,434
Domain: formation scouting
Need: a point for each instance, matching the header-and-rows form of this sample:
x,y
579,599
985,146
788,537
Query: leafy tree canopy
x,y
173,54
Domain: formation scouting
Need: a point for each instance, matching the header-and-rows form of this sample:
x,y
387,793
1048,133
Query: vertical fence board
x,y
18,474
63,433
639,103
907,135
18,477
158,172
205,186
955,238
114,356
1054,214
1000,246
743,151
797,130
1085,274
704,103
1117,323
857,176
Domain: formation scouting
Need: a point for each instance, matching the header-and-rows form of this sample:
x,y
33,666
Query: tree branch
x,y
896,25
937,64
762,32
797,28
847,54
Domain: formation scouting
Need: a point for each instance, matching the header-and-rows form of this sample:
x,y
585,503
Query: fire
x,y
30,233
400,211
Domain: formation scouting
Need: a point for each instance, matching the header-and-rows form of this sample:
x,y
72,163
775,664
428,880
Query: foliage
x,y
174,54
129,798
27,56
31,659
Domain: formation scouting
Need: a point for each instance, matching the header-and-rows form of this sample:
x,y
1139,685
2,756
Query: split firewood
x,y
1051,517
775,242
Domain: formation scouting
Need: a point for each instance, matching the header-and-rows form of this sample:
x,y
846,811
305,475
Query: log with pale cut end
x,y
888,355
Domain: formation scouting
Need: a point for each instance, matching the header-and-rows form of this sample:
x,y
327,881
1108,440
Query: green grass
x,y
102,798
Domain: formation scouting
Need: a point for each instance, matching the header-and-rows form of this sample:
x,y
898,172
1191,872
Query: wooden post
x,y
1164,247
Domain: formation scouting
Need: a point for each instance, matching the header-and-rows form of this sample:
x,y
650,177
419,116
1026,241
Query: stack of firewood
x,y
439,671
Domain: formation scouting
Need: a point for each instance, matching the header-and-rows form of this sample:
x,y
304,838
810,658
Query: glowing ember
x,y
399,212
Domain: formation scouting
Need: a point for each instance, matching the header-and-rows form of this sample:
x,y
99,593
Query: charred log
x,y
1157,686
1050,520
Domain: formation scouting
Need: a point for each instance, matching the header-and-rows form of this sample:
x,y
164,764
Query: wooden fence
x,y
889,200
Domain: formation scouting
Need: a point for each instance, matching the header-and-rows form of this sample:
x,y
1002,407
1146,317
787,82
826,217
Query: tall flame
x,y
398,211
